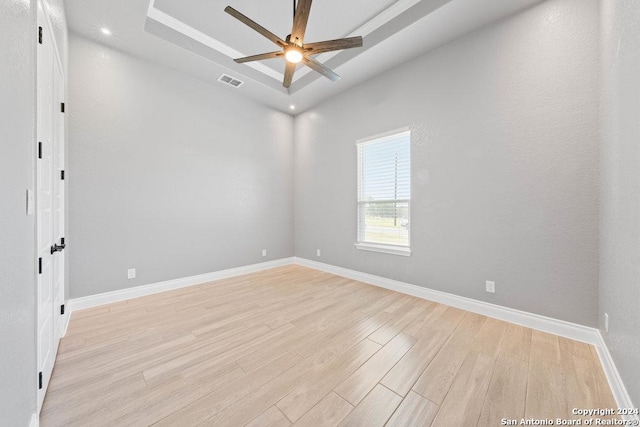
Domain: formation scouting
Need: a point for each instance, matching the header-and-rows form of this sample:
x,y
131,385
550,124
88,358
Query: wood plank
x,y
407,371
363,380
383,300
212,403
347,320
129,402
70,344
414,411
429,317
436,380
506,396
310,392
489,337
463,403
399,305
275,347
545,347
581,376
448,321
272,417
375,409
217,352
575,348
257,401
164,406
545,384
516,343
73,411
471,323
87,373
390,329
330,411
348,336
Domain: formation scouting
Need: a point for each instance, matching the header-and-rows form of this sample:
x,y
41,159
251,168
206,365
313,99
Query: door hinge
x,y
62,175
40,380
40,35
62,309
62,240
39,150
62,107
39,265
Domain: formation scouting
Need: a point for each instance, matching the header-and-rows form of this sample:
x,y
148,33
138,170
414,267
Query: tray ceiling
x,y
204,22
198,38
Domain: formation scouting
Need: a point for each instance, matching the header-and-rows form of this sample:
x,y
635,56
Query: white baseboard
x,y
620,393
154,288
530,320
35,421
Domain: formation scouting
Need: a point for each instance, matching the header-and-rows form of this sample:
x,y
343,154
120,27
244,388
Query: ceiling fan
x,y
293,48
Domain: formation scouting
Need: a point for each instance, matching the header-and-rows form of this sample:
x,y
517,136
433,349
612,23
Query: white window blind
x,y
384,191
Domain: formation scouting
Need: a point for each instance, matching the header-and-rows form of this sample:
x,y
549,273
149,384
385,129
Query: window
x,y
384,192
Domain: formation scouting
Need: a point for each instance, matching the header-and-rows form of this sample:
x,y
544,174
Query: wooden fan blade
x,y
257,27
288,74
259,57
321,68
300,21
330,45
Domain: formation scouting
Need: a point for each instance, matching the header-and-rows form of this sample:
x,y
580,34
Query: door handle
x,y
57,248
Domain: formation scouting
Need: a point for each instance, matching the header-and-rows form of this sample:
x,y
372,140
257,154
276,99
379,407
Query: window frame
x,y
391,249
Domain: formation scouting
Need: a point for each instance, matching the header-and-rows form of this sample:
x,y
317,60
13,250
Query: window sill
x,y
392,250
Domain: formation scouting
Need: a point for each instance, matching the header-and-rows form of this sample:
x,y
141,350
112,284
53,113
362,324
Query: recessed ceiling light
x,y
105,31
292,107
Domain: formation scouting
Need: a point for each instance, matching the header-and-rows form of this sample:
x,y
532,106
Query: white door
x,y
58,201
49,202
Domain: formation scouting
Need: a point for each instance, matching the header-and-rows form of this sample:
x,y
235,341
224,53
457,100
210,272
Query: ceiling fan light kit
x,y
293,48
293,54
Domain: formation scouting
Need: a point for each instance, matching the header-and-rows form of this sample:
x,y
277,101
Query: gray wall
x,y
504,165
620,191
169,175
17,285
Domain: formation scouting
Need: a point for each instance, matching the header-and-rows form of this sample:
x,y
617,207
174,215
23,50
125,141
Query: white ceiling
x,y
197,37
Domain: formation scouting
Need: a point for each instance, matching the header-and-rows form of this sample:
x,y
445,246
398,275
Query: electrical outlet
x,y
318,253
131,273
606,323
491,287
264,252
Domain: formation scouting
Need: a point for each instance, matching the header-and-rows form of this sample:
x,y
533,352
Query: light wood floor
x,y
297,346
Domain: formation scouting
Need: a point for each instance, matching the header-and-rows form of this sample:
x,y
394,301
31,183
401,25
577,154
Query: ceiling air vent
x,y
230,80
